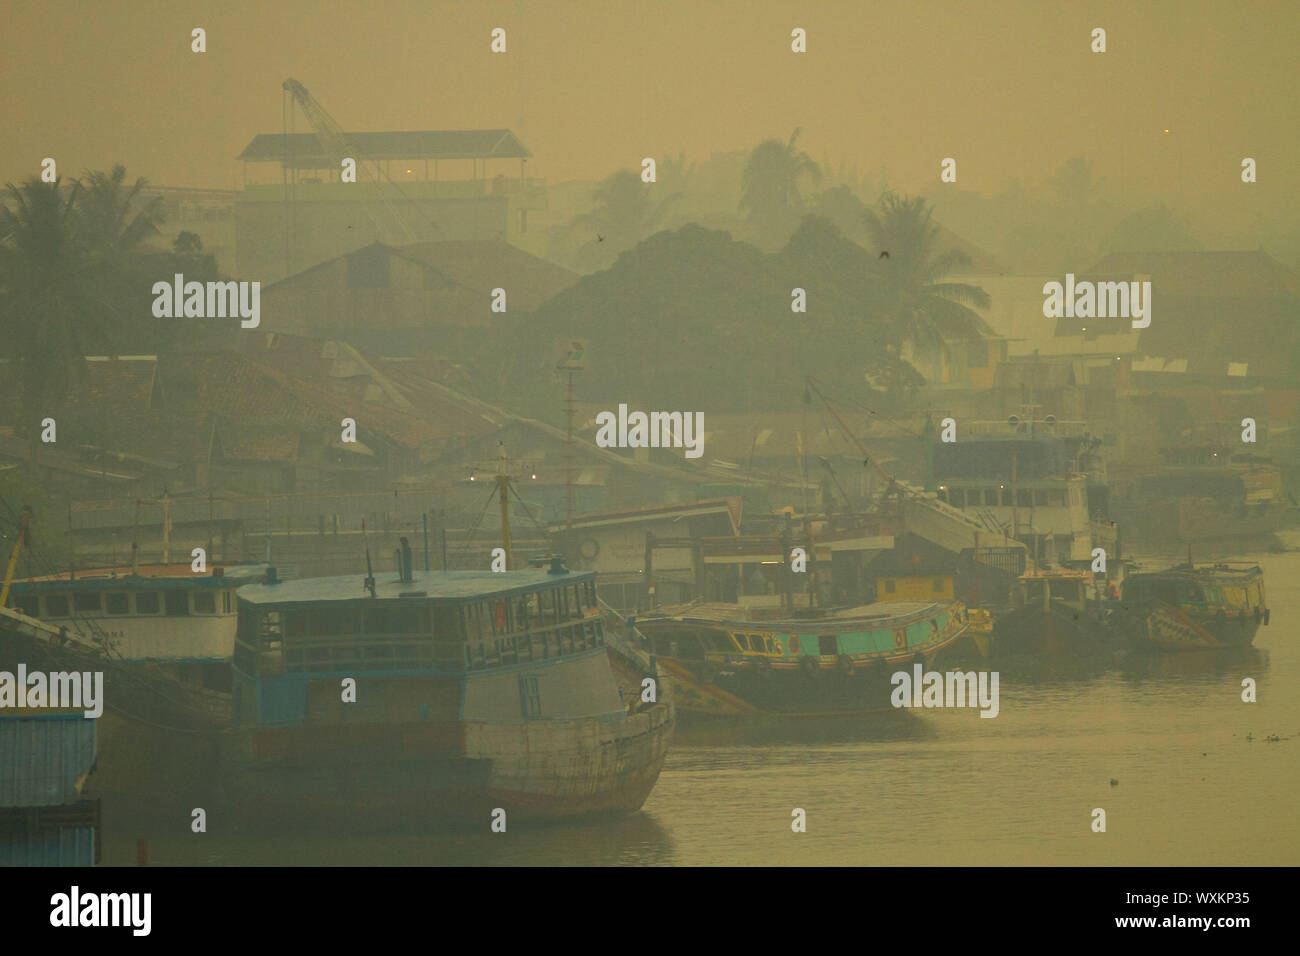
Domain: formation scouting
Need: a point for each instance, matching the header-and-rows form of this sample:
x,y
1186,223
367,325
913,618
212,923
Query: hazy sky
x,y
1010,89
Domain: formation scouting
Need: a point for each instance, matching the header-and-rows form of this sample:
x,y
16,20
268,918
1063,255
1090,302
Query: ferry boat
x,y
1194,606
471,692
1024,485
724,665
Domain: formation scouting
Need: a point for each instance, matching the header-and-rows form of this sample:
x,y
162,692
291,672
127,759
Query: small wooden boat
x,y
1194,607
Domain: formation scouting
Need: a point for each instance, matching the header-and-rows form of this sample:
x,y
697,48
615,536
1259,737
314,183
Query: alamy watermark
x,y
653,430
208,300
77,690
1098,300
953,689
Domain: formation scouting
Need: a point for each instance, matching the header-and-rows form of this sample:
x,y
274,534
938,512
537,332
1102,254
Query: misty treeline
x,y
78,260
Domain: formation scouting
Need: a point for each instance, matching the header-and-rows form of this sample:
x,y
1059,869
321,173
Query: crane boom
x,y
334,143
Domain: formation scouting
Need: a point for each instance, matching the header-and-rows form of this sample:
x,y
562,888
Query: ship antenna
x,y
369,583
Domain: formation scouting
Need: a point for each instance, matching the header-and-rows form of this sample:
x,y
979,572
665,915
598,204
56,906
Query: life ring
x,y
589,549
846,665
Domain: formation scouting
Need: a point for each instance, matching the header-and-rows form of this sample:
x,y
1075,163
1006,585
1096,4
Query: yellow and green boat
x,y
724,665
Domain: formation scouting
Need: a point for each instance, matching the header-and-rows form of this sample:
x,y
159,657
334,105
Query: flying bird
x,y
884,255
599,237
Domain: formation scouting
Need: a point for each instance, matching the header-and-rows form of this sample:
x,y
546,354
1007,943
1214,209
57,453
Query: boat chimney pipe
x,y
405,562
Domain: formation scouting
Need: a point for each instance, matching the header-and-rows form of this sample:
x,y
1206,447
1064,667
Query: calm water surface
x,y
1197,783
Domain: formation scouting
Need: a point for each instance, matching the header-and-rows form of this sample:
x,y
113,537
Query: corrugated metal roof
x,y
43,757
66,846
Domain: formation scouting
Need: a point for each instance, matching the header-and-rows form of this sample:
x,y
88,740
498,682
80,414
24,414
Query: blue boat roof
x,y
453,586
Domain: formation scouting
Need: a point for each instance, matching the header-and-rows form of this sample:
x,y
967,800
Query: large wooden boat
x,y
1194,607
470,691
724,665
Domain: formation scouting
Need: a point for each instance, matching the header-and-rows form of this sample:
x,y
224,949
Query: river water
x,y
1197,781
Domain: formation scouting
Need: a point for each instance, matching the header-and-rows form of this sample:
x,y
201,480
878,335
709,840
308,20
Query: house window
x,y
118,604
530,697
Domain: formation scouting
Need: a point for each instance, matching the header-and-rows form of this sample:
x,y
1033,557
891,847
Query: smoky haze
x,y
1009,89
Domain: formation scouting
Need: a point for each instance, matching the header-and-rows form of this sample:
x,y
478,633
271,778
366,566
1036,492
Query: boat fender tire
x,y
846,665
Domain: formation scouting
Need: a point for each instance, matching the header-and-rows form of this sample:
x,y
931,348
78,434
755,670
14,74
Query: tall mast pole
x,y
503,492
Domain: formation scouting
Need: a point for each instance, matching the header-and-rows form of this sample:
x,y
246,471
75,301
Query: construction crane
x,y
334,144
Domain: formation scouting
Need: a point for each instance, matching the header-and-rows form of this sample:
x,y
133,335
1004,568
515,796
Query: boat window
x,y
30,605
827,644
957,497
938,585
146,602
889,586
225,602
1067,589
1024,498
205,602
86,601
56,605
755,642
1006,497
991,496
176,603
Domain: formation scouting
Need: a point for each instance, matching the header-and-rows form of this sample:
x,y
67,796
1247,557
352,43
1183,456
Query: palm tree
x,y
42,272
69,263
929,313
770,188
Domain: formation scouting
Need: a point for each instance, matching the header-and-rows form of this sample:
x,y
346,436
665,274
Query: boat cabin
x,y
1233,590
1057,586
449,621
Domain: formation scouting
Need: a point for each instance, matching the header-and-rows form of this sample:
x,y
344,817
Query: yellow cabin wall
x,y
915,588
